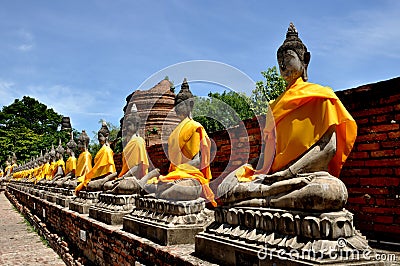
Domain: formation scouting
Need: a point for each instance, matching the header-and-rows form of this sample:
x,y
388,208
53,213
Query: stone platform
x,y
168,222
110,208
64,197
83,201
264,236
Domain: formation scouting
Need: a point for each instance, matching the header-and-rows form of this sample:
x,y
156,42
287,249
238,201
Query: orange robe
x,y
70,165
134,154
186,140
303,114
84,164
103,165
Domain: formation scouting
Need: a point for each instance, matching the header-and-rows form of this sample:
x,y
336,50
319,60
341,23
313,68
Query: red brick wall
x,y
372,171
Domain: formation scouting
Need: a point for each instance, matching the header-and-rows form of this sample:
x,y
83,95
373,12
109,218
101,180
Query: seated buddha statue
x,y
7,170
84,162
70,164
59,169
189,154
314,136
135,163
103,165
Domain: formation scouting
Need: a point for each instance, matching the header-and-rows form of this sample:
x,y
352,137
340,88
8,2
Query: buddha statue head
x,y
60,150
52,153
41,159
132,121
46,157
184,101
8,161
14,158
83,141
103,133
71,145
293,57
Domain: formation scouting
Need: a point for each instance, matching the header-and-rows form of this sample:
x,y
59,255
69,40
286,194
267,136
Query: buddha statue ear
x,y
307,58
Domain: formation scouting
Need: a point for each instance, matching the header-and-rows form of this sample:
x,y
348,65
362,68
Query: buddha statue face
x,y
293,57
83,141
103,133
290,66
184,101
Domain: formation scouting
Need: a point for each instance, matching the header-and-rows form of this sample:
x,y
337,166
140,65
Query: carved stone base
x,y
168,222
264,236
110,208
82,202
64,197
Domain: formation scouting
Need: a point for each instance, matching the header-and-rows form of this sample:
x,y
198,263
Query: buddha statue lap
x,y
314,136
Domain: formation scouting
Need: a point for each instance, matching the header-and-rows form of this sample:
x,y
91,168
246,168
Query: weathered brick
x,y
382,171
358,155
372,137
368,146
394,135
383,162
382,153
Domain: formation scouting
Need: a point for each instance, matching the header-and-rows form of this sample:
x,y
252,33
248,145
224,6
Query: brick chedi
x,y
155,108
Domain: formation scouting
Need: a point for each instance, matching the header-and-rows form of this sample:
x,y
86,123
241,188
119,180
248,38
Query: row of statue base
x,y
229,236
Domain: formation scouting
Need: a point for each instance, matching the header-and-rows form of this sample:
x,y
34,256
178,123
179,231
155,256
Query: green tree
x,y
219,111
267,90
27,127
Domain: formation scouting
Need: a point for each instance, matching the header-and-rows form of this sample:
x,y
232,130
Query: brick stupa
x,y
155,108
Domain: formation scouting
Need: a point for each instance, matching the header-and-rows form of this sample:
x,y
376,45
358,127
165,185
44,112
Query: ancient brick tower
x,y
155,108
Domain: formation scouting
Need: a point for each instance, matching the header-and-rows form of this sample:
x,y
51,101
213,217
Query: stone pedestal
x,y
264,236
83,201
64,197
168,222
110,208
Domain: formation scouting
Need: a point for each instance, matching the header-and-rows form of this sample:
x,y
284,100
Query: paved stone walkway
x,y
19,244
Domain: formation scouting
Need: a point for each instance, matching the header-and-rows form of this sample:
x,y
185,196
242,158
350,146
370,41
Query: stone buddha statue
x,y
189,155
103,165
135,162
314,135
70,164
84,162
59,170
7,170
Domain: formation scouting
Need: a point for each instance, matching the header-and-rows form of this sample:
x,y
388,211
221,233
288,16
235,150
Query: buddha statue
x,y
103,165
314,135
70,164
135,163
8,168
59,169
189,155
84,163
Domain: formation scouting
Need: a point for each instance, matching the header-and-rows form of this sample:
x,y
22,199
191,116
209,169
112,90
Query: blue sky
x,y
83,58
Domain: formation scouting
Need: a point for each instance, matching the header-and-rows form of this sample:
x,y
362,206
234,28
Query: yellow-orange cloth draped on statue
x,y
70,165
303,113
59,163
103,165
84,165
1,173
134,154
46,173
49,174
185,141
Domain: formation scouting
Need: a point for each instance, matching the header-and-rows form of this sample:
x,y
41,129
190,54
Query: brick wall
x,y
372,171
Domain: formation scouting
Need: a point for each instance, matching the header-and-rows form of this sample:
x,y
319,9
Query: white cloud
x,y
7,92
26,39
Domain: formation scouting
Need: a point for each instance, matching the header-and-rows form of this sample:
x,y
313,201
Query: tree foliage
x,y
27,127
267,90
219,111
